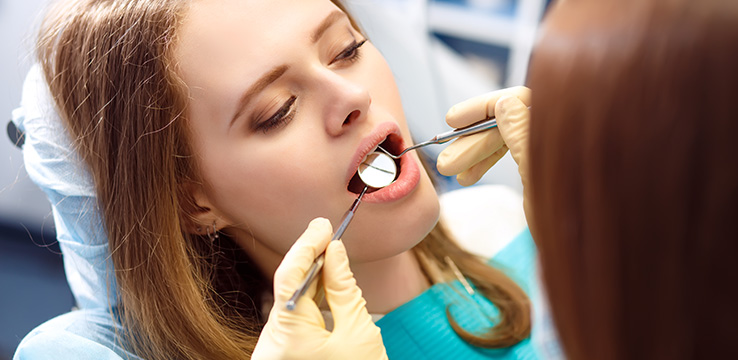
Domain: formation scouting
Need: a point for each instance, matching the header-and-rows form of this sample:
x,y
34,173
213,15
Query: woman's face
x,y
286,99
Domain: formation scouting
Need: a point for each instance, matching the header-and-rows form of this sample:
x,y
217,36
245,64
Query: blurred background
x,y
32,283
442,52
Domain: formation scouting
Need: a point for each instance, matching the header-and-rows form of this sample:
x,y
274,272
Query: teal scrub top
x,y
419,329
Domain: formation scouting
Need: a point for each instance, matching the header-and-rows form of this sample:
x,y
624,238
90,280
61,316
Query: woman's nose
x,y
346,103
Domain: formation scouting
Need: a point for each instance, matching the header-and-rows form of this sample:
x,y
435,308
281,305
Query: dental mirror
x,y
378,170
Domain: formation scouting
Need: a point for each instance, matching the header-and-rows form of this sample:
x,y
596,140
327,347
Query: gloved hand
x,y
470,157
301,333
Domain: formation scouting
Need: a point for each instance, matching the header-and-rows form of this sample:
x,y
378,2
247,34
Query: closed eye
x,y
279,119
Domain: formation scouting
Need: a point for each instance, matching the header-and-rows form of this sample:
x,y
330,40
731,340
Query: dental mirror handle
x,y
318,263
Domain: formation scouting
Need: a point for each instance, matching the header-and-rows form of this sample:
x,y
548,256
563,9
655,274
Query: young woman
x,y
214,132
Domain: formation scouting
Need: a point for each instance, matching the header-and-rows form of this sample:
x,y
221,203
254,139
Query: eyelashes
x,y
280,118
285,113
351,53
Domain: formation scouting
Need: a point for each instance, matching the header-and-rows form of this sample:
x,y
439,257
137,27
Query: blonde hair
x,y
110,69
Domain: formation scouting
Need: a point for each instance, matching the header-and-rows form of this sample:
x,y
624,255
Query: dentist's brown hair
x,y
634,176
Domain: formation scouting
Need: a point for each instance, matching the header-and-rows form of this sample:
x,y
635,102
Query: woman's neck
x,y
389,283
385,284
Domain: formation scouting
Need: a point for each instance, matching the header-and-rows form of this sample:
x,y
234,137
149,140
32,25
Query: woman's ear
x,y
200,214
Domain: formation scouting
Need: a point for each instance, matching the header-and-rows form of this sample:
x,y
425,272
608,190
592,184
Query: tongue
x,y
356,185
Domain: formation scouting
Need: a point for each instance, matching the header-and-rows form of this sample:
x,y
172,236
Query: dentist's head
x,y
634,176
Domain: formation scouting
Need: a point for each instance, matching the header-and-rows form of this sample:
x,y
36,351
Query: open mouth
x,y
393,144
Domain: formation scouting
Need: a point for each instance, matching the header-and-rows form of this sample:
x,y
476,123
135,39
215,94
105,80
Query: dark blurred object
x,y
16,136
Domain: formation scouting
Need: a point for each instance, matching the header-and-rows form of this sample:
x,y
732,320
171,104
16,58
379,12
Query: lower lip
x,y
404,185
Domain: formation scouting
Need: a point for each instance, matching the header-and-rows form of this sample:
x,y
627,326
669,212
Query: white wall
x,y
20,200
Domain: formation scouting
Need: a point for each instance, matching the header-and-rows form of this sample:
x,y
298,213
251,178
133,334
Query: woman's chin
x,y
387,241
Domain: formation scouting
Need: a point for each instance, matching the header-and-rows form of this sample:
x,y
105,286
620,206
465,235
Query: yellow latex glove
x,y
301,333
470,157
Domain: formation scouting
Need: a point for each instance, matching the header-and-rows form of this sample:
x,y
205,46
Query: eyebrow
x,y
257,87
278,71
325,24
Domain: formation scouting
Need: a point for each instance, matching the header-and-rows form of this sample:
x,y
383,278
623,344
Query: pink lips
x,y
409,174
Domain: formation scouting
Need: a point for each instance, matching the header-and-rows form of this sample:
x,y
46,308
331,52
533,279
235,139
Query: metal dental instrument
x,y
448,136
376,171
318,263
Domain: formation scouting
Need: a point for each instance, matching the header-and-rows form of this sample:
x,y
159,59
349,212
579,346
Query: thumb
x,y
513,120
342,294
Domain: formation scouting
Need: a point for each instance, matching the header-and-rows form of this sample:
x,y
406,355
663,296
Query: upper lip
x,y
369,143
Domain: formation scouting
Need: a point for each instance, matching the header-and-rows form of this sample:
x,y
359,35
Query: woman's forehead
x,y
208,20
218,35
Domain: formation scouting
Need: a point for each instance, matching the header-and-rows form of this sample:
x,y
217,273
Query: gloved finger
x,y
467,151
299,258
482,107
305,316
342,294
471,175
306,312
287,333
513,117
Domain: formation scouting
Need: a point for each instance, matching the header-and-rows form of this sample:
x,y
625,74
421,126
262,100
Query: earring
x,y
213,235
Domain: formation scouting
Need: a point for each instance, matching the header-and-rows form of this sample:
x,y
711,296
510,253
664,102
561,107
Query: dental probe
x,y
318,263
449,135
